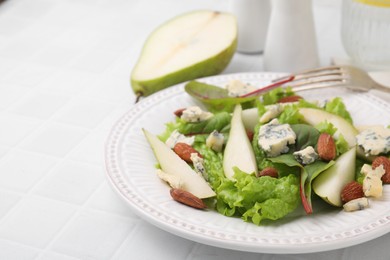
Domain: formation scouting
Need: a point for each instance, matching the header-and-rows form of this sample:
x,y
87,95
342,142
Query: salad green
x,y
247,195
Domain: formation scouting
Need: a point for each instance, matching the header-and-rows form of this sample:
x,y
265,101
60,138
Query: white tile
x,y
84,112
30,74
56,55
163,243
65,81
106,199
94,61
71,182
10,93
55,256
93,236
10,251
4,150
11,25
55,139
15,128
91,149
202,252
7,202
39,104
22,176
35,221
111,88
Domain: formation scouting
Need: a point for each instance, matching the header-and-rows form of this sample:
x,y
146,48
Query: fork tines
x,y
316,78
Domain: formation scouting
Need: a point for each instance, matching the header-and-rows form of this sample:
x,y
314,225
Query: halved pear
x,y
190,46
238,151
329,184
171,163
314,116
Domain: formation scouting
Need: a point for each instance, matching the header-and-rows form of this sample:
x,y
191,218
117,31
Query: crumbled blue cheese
x,y
198,165
274,138
372,183
374,141
356,204
172,180
215,141
306,156
272,112
195,114
237,88
177,137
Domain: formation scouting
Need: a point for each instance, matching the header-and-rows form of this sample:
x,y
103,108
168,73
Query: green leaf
x,y
326,127
215,98
306,136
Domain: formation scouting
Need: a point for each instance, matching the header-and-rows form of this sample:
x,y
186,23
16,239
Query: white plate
x,y
131,170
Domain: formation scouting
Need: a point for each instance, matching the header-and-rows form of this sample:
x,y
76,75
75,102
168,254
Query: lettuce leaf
x,y
337,107
256,199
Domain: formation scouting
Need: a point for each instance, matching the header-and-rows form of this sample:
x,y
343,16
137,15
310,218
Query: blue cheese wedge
x,y
374,141
198,165
238,88
195,114
215,141
306,156
356,204
274,138
372,183
177,137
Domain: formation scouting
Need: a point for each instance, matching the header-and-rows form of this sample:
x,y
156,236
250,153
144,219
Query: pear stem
x,y
138,97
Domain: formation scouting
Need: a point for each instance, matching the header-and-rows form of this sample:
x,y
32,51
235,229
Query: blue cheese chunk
x,y
198,165
356,204
177,137
195,114
172,180
306,156
237,88
215,141
274,138
374,141
372,183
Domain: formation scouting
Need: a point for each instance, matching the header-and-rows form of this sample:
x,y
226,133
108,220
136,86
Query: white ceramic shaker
x,y
252,18
291,43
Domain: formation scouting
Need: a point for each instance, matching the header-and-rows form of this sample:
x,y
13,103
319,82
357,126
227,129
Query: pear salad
x,y
261,158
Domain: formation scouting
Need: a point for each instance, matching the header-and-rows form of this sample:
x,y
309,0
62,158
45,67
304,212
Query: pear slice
x,y
171,163
329,184
238,151
190,46
314,116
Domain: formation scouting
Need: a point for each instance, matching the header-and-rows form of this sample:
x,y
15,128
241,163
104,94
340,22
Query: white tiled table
x,y
64,81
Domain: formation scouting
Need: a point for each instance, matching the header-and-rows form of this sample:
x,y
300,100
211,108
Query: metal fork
x,y
346,76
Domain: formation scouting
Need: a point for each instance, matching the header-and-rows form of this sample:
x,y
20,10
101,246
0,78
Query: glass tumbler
x,y
365,30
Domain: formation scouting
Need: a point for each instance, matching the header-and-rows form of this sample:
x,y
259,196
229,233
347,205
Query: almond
x,y
289,99
351,191
382,160
184,151
250,135
187,198
269,171
179,112
326,147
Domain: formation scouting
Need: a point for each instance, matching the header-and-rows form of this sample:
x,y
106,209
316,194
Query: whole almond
x,y
289,99
351,191
184,151
326,147
187,198
382,160
179,112
269,171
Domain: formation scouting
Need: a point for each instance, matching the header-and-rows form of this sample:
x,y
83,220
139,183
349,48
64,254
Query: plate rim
x,y
118,184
